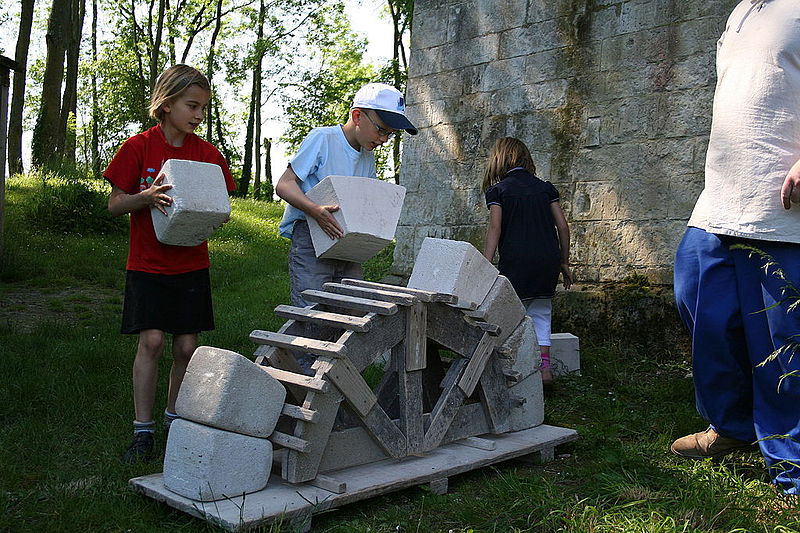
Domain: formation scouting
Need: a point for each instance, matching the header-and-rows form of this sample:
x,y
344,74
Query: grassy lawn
x,y
66,409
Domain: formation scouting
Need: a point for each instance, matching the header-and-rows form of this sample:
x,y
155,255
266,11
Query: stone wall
x,y
613,97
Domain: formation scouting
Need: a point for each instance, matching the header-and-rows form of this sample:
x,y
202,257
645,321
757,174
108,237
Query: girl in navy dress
x,y
528,226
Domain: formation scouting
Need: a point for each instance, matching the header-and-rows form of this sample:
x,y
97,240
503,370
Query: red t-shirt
x,y
134,168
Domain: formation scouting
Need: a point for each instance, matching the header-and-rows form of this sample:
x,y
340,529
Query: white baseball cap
x,y
387,102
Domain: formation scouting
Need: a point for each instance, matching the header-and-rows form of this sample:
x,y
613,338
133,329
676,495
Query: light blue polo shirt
x,y
324,152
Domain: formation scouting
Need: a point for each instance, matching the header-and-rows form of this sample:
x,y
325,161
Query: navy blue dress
x,y
530,255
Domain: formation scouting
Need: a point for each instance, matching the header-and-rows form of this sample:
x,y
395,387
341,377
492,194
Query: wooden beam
x,y
398,298
289,441
350,302
449,327
416,337
335,320
303,344
447,407
411,399
423,296
476,364
328,483
495,396
364,348
307,382
282,360
352,386
300,413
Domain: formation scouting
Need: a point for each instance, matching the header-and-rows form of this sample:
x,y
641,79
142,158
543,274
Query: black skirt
x,y
177,304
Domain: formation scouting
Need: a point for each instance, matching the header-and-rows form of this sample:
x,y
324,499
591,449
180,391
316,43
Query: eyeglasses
x,y
383,131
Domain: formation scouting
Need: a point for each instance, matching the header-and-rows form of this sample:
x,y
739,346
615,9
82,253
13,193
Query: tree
x,y
402,13
18,96
69,105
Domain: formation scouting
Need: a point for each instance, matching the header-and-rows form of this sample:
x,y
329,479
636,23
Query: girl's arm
x,y
493,231
563,241
120,202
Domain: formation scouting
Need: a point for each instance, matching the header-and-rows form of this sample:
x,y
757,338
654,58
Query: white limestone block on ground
x,y
200,203
531,412
453,267
205,463
565,354
501,307
225,390
369,210
522,354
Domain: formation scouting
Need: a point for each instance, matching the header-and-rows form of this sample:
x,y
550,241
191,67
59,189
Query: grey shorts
x,y
308,272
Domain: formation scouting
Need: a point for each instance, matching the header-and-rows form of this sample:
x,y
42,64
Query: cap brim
x,y
396,121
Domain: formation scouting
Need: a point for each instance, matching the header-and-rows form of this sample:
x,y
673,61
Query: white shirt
x,y
755,130
324,152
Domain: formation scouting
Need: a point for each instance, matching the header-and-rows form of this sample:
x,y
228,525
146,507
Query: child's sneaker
x,y
141,449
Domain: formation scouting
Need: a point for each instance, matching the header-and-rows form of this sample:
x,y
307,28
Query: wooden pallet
x,y
295,504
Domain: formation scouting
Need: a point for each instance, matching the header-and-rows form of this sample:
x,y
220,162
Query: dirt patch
x,y
24,307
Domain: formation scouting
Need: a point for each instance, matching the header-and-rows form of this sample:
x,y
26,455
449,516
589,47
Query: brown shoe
x,y
707,444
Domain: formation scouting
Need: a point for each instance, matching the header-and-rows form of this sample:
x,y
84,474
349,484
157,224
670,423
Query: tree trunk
x,y
95,107
269,189
257,135
69,106
18,97
210,67
247,161
144,119
45,134
156,51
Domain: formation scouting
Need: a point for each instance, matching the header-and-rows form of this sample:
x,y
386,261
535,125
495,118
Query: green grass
x,y
66,409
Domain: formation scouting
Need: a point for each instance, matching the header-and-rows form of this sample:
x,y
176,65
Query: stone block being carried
x,y
226,390
204,463
453,267
200,203
369,210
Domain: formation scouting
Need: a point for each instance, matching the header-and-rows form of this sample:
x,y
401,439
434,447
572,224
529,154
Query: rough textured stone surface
x,y
565,354
501,307
612,98
225,390
369,210
524,356
531,412
200,203
453,267
205,463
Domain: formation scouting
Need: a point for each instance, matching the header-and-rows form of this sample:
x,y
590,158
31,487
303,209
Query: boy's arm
x,y
493,231
790,191
563,241
288,189
120,202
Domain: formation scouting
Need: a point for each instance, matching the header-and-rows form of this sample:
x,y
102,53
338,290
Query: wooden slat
x,y
352,386
481,444
303,344
328,483
385,432
289,441
300,380
447,407
283,360
476,364
300,413
416,338
350,302
335,320
364,348
411,400
423,296
398,298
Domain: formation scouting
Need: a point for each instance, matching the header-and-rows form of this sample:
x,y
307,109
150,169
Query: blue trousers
x,y
737,313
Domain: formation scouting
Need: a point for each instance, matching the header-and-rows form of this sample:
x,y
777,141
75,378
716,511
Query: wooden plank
x,y
304,344
438,486
410,396
495,396
350,302
449,327
398,298
300,380
423,296
385,432
289,441
300,413
335,320
481,444
282,360
364,348
352,386
330,484
416,337
476,364
446,408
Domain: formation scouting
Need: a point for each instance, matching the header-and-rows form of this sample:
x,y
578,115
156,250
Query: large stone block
x,y
565,354
225,390
453,267
521,354
200,203
205,463
369,210
529,412
501,307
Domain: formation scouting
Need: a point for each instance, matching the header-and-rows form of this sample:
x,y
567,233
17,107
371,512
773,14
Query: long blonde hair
x,y
507,153
171,84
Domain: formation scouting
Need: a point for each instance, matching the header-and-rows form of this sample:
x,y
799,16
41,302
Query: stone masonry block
x,y
523,356
205,463
529,412
369,210
453,267
225,390
565,354
200,203
501,307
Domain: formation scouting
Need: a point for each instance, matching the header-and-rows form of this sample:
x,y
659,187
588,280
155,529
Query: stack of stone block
x,y
200,203
369,210
228,407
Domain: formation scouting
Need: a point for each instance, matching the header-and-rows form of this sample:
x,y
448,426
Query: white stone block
x,y
531,412
501,307
523,355
200,203
205,463
453,267
369,210
565,354
225,390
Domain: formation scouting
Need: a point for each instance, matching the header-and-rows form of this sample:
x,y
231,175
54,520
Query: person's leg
x,y
770,325
183,347
540,311
145,377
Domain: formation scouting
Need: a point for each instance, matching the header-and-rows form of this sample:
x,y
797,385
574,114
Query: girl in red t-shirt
x,y
167,288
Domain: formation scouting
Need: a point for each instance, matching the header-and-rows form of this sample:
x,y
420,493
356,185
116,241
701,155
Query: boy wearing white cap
x,y
377,113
